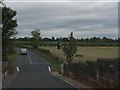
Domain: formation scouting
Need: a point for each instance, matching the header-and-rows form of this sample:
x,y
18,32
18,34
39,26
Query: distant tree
x,y
53,38
57,39
36,38
94,39
46,39
9,23
104,39
86,40
25,39
70,49
64,39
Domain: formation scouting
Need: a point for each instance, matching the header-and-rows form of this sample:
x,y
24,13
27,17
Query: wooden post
x,y
70,75
58,55
98,75
62,68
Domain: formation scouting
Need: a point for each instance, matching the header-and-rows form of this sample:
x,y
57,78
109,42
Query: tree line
x,y
66,39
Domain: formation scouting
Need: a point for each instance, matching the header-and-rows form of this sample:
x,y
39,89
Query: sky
x,y
85,19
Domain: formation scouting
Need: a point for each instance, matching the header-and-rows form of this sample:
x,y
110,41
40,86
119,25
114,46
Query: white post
x,y
111,83
62,68
98,75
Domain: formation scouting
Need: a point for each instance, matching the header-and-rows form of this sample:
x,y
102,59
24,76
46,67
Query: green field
x,y
54,43
89,53
87,49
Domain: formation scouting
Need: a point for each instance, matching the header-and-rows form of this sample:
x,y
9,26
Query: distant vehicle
x,y
23,51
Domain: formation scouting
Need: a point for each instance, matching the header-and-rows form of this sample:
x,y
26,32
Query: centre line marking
x,y
18,69
49,69
29,58
40,63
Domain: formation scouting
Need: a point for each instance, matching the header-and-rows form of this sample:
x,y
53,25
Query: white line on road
x,y
29,58
49,69
41,63
65,80
18,69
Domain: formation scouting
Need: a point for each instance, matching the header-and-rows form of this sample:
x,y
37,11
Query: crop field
x,y
83,53
54,43
87,52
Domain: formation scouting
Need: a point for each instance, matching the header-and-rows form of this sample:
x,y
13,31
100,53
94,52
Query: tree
x,y
70,49
36,38
9,23
64,39
53,38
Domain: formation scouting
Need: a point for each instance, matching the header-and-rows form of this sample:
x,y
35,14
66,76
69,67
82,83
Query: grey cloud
x,y
55,18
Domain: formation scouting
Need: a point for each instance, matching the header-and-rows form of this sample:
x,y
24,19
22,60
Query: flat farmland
x,y
87,52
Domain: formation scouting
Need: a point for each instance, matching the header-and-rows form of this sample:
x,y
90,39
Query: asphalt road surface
x,y
33,72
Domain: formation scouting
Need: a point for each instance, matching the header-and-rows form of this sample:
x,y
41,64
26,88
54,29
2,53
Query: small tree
x,y
36,38
53,38
70,49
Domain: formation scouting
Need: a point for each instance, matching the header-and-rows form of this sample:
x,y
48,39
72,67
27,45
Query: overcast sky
x,y
85,19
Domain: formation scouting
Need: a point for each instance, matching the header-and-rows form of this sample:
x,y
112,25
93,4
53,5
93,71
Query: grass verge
x,y
10,60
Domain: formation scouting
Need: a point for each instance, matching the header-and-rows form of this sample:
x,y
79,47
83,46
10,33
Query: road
x,y
33,72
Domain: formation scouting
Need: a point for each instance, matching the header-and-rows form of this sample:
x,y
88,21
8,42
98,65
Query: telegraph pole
x,y
59,56
59,47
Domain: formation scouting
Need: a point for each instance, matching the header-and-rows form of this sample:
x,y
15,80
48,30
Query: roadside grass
x,y
10,60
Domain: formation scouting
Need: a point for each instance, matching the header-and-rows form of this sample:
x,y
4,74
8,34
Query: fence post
x,y
62,68
98,75
98,71
111,83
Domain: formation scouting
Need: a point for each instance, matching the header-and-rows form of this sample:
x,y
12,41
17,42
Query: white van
x,y
23,51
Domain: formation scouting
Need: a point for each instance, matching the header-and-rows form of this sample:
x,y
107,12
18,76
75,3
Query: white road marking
x,y
65,80
40,63
18,69
69,82
29,58
49,69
